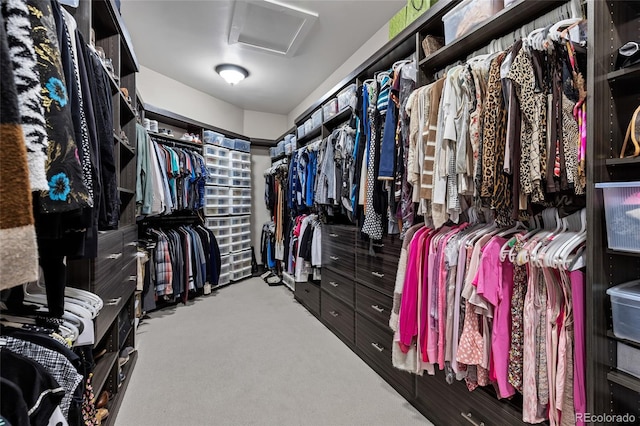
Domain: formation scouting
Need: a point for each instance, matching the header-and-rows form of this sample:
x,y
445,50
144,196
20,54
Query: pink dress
x,y
495,283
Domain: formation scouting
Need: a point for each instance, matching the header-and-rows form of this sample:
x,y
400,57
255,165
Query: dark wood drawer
x,y
377,271
339,259
375,305
374,346
338,316
129,243
453,404
309,295
108,263
342,234
338,286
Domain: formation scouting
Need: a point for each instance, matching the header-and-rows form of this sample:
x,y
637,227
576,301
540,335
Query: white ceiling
x,y
185,40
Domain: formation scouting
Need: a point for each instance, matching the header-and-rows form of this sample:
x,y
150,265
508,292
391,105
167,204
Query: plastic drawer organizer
x,y
228,203
622,214
625,309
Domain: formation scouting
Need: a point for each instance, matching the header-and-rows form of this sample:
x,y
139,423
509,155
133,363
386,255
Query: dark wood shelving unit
x,y
498,25
624,74
339,118
629,161
310,136
102,371
621,252
126,147
611,335
126,190
116,402
165,139
623,379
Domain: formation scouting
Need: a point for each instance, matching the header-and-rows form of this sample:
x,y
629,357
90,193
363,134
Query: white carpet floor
x,y
251,355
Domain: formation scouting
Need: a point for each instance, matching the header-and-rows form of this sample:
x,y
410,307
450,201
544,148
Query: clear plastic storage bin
x,y
218,180
224,279
240,221
228,143
625,309
241,209
330,109
628,359
347,97
218,171
221,201
308,126
241,182
224,248
316,119
242,157
241,274
242,145
217,161
225,264
467,15
212,137
218,223
216,151
216,210
241,193
301,131
622,214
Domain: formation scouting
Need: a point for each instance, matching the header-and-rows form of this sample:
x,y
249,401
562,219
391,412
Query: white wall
x,y
264,125
379,39
163,92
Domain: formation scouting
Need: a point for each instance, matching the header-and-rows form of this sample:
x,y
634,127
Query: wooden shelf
x,y
193,126
624,74
621,340
126,191
116,402
498,25
310,136
109,312
102,371
126,110
107,21
278,158
622,253
115,87
126,147
174,141
624,379
629,161
339,118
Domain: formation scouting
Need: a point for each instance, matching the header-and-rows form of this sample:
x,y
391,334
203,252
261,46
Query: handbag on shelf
x,y
431,43
633,135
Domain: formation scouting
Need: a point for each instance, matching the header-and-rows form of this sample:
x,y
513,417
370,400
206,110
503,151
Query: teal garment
x,y
144,181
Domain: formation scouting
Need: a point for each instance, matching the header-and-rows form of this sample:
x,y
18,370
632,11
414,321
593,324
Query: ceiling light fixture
x,y
232,74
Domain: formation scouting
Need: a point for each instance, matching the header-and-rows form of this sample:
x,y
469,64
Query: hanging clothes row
x,y
305,248
183,260
490,305
506,130
169,179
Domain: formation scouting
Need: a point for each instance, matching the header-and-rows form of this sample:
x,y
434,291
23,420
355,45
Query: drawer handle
x,y
334,258
132,244
381,245
333,284
306,290
113,302
377,308
332,235
334,314
377,274
114,256
469,417
133,277
378,347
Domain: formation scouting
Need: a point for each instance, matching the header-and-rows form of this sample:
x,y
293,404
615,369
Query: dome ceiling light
x,y
232,74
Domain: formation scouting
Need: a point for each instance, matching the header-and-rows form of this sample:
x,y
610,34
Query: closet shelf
x,y
624,74
621,340
126,147
121,292
624,379
126,191
114,405
107,20
126,110
310,136
502,23
629,161
622,253
115,87
339,118
173,141
102,371
279,157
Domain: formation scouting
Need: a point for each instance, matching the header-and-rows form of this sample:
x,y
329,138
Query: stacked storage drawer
x,y
228,208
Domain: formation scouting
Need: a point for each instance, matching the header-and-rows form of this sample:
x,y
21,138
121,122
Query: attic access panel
x,y
270,26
